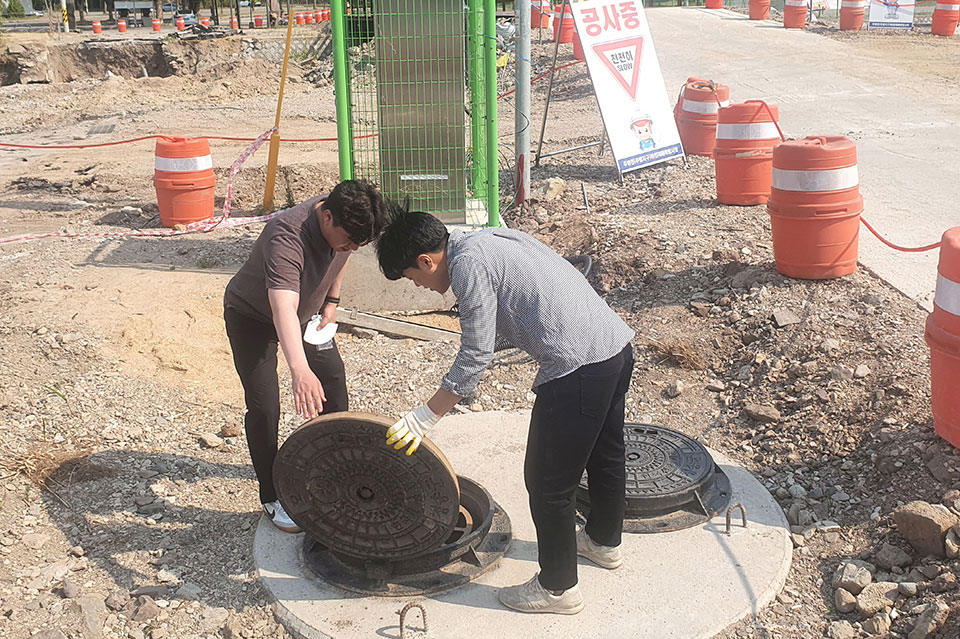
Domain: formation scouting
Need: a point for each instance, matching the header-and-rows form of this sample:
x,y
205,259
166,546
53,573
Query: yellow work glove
x,y
410,429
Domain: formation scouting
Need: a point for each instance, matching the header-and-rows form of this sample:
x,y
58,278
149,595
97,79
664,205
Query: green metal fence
x,y
416,93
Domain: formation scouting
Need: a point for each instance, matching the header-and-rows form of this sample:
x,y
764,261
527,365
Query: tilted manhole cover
x,y
348,490
672,482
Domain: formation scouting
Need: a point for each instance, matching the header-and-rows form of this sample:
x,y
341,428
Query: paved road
x,y
906,125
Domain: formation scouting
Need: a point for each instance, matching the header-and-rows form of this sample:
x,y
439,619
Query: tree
x,y
14,9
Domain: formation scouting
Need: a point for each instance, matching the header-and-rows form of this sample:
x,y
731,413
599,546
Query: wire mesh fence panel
x,y
415,90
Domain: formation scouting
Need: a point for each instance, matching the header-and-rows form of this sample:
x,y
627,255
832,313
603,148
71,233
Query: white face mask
x,y
315,335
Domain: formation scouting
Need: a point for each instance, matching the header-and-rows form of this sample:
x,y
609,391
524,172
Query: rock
x,y
939,469
167,577
233,628
890,556
951,544
924,526
908,589
841,630
231,428
861,371
209,440
68,589
829,346
879,624
117,599
93,612
700,309
798,540
188,591
844,600
944,582
797,491
77,551
143,500
145,610
151,509
876,597
674,388
929,621
35,541
784,317
851,577
763,413
716,386
840,496
213,618
364,333
841,373
549,189
48,634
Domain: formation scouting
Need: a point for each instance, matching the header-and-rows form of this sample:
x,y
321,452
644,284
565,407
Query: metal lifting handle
x,y
403,617
743,511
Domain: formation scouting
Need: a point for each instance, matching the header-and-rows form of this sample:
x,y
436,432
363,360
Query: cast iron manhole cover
x,y
672,482
348,490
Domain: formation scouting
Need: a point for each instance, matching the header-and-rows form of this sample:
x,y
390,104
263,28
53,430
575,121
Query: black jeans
x,y
254,346
577,424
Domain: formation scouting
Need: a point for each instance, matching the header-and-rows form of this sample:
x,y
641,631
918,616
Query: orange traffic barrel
x,y
540,11
184,180
851,14
326,14
815,207
318,16
258,21
205,21
181,24
577,47
299,18
743,155
234,23
696,114
945,18
97,27
759,9
714,4
308,18
943,337
563,23
795,14
156,23
122,25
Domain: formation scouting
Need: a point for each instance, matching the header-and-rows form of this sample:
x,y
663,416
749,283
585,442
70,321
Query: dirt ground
x,y
122,517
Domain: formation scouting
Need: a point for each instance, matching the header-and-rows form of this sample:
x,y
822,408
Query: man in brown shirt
x,y
294,272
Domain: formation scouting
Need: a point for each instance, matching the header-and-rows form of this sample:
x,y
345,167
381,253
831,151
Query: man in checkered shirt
x,y
512,288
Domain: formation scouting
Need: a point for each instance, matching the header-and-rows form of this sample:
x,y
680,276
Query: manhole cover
x,y
672,482
348,490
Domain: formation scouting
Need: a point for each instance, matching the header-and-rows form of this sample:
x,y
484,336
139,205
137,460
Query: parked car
x,y
188,18
169,7
244,3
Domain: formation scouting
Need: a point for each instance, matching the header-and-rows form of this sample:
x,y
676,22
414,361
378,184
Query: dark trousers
x,y
577,424
254,346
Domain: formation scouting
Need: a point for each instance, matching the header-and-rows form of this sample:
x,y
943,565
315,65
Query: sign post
x,y
628,82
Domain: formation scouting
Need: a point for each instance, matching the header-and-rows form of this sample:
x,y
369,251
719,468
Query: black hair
x,y
359,209
408,235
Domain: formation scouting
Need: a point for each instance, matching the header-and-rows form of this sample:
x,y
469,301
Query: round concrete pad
x,y
688,584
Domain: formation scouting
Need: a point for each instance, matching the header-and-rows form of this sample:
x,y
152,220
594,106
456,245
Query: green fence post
x,y
477,112
341,89
490,65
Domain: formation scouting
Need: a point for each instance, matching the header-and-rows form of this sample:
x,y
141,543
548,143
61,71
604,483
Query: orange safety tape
x,y
905,249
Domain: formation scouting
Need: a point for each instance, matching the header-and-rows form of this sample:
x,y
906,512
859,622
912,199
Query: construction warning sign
x,y
891,14
628,82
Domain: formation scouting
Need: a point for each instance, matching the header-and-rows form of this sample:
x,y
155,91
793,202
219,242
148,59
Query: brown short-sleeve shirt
x,y
291,254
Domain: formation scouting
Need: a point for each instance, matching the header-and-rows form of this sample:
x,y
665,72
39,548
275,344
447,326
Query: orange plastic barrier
x,y
743,155
943,337
945,18
714,4
205,21
318,16
97,27
156,23
540,11
815,207
122,25
759,9
577,47
563,28
851,14
308,18
696,114
299,18
184,180
181,24
795,14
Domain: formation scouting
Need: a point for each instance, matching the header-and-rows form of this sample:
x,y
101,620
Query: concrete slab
x,y
688,584
365,288
904,122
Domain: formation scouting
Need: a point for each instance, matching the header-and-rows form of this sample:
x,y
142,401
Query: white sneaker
x,y
532,597
279,517
608,557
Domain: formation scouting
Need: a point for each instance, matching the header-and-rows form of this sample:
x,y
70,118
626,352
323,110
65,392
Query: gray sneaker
x,y
608,557
279,517
532,597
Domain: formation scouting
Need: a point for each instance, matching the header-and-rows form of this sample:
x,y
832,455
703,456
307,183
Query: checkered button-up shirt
x,y
510,285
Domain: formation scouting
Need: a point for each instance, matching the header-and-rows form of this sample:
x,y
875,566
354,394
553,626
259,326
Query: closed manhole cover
x,y
348,490
672,482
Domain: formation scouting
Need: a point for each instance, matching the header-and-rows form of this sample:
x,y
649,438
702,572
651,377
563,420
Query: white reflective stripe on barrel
x,y
747,131
947,296
796,3
693,106
947,7
829,180
183,165
852,4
